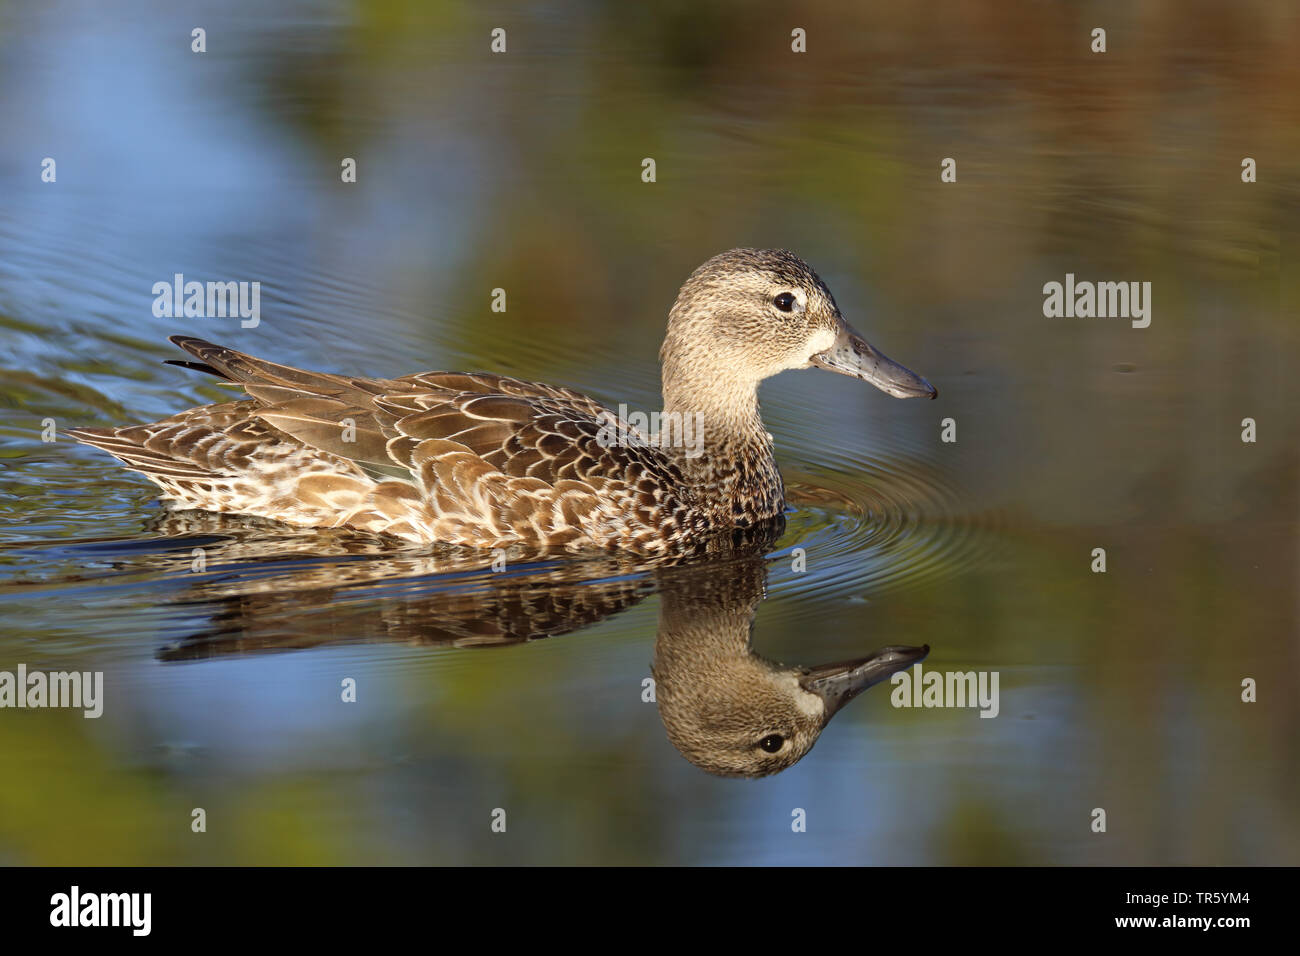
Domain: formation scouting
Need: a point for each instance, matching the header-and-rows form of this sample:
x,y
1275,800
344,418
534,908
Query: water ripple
x,y
867,525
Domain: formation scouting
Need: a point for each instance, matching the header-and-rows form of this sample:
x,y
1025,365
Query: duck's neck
x,y
727,453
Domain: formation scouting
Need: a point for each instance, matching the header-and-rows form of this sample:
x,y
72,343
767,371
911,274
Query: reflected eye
x,y
771,743
784,302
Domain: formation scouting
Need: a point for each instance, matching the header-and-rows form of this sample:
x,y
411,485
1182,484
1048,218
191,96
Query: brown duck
x,y
477,459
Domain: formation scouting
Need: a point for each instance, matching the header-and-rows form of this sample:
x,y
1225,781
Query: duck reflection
x,y
727,709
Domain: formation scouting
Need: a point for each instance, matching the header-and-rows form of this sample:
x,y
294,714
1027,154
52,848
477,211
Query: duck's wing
x,y
472,442
523,429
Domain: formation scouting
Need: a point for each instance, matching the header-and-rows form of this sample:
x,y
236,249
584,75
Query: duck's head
x,y
748,314
744,716
729,710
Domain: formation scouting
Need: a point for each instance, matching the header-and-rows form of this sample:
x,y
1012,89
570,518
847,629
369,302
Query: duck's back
x,y
460,458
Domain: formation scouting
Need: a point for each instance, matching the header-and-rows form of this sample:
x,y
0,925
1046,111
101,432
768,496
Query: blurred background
x,y
522,171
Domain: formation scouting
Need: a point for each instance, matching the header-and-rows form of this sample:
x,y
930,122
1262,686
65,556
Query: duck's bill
x,y
837,684
853,355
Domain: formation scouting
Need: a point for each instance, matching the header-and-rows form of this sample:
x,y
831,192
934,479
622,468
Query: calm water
x,y
522,171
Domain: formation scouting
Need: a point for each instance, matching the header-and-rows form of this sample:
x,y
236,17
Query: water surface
x,y
522,171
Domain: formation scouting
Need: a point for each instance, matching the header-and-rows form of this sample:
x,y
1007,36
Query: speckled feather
x,y
472,459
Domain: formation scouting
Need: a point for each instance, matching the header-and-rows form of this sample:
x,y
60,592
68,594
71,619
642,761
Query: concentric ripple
x,y
868,525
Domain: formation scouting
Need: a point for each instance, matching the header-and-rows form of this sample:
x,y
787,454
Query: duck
x,y
488,461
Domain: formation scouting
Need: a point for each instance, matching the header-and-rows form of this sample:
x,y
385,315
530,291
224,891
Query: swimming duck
x,y
478,459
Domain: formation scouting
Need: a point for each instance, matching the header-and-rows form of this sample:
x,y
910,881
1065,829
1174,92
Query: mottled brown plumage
x,y
488,461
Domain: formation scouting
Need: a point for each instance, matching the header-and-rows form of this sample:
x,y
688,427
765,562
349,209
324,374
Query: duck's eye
x,y
784,302
771,743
